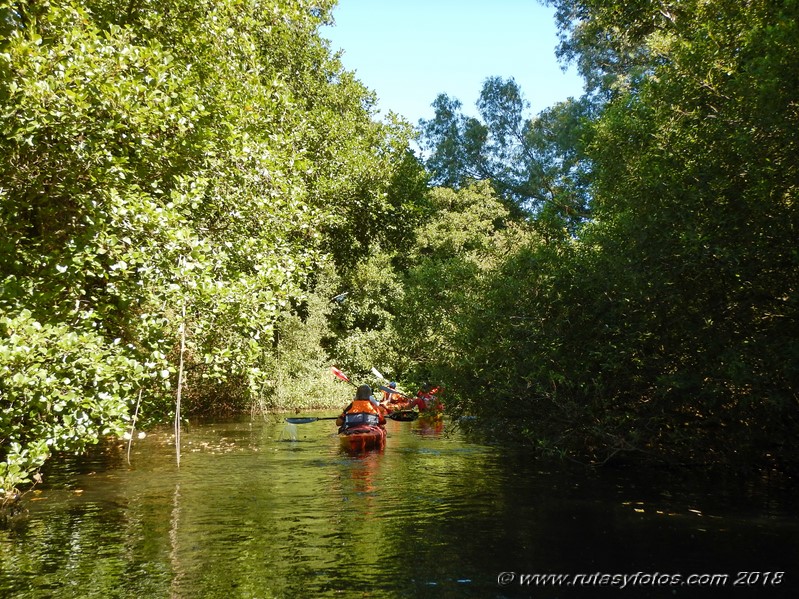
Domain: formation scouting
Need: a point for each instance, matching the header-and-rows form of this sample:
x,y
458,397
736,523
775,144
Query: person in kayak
x,y
427,399
391,395
363,410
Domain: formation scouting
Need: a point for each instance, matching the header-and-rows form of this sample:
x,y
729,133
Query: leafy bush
x,y
62,389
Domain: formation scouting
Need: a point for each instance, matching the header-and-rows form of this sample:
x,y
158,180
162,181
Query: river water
x,y
262,509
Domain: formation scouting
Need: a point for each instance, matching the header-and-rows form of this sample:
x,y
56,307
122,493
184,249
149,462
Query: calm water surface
x,y
261,509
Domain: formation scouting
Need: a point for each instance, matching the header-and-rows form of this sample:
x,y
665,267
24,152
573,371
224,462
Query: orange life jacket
x,y
392,396
362,411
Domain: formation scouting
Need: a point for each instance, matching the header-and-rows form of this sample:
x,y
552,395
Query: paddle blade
x,y
376,372
394,391
338,374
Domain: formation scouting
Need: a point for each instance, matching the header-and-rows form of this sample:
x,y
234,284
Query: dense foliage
x,y
667,324
403,320
165,167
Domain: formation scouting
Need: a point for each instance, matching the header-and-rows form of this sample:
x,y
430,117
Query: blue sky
x,y
409,51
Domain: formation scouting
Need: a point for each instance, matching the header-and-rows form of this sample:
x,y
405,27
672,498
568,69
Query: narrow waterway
x,y
261,509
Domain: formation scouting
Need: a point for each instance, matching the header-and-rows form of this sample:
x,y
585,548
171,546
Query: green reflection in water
x,y
267,510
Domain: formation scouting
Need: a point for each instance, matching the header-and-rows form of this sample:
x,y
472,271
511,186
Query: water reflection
x,y
289,433
253,513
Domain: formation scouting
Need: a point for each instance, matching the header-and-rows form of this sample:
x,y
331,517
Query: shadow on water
x,y
260,510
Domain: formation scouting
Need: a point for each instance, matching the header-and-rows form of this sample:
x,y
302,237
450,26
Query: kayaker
x,y
391,395
427,399
363,410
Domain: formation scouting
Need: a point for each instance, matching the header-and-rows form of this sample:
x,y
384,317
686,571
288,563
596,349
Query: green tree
x,y
171,167
537,165
466,237
666,325
701,189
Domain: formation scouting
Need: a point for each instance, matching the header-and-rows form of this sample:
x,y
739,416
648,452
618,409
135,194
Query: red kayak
x,y
363,437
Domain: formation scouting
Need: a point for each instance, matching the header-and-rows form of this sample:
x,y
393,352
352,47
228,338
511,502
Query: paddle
x,y
394,391
400,416
340,375
308,420
377,373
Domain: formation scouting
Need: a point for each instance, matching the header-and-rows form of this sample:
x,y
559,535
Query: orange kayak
x,y
363,437
398,406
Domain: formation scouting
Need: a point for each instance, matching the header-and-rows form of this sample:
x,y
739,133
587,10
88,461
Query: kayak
x,y
363,437
398,405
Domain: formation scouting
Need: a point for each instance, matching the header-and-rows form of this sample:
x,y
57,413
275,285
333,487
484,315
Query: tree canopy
x,y
537,165
666,325
170,167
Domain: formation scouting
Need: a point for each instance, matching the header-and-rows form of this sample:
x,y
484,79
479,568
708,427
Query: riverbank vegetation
x,y
614,278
